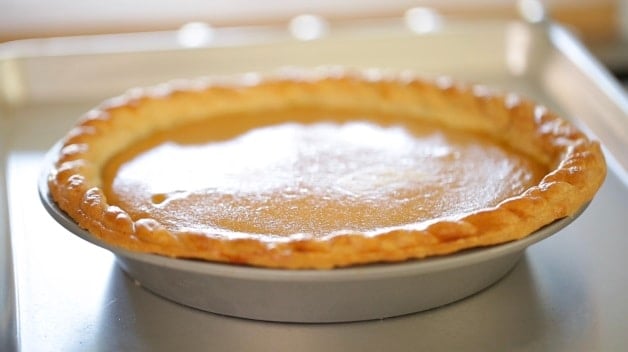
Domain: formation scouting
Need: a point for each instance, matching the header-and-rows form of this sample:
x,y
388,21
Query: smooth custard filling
x,y
283,175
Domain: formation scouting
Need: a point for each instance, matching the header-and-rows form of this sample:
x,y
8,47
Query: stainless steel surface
x,y
565,295
8,303
341,295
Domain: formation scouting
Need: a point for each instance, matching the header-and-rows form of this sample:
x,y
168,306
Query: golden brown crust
x,y
577,164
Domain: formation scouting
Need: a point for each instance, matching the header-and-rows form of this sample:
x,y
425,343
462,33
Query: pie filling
x,y
308,173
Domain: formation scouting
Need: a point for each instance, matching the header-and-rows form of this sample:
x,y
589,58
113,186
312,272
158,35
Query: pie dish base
x,y
350,294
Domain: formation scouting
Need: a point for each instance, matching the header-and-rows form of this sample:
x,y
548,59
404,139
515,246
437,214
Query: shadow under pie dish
x,y
319,169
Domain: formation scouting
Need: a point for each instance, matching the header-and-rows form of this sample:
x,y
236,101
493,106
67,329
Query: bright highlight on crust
x,y
321,168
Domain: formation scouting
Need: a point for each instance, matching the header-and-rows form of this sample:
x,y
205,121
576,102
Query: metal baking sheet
x,y
61,293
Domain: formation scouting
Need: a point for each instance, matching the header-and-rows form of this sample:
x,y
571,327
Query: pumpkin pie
x,y
320,168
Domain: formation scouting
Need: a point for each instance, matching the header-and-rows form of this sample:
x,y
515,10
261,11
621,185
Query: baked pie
x,y
321,168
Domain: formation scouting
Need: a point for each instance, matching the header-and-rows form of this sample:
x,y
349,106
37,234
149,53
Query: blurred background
x,y
601,24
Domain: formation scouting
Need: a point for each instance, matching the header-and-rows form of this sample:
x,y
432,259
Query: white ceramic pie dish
x,y
314,296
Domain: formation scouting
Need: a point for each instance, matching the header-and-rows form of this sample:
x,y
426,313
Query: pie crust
x,y
575,163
